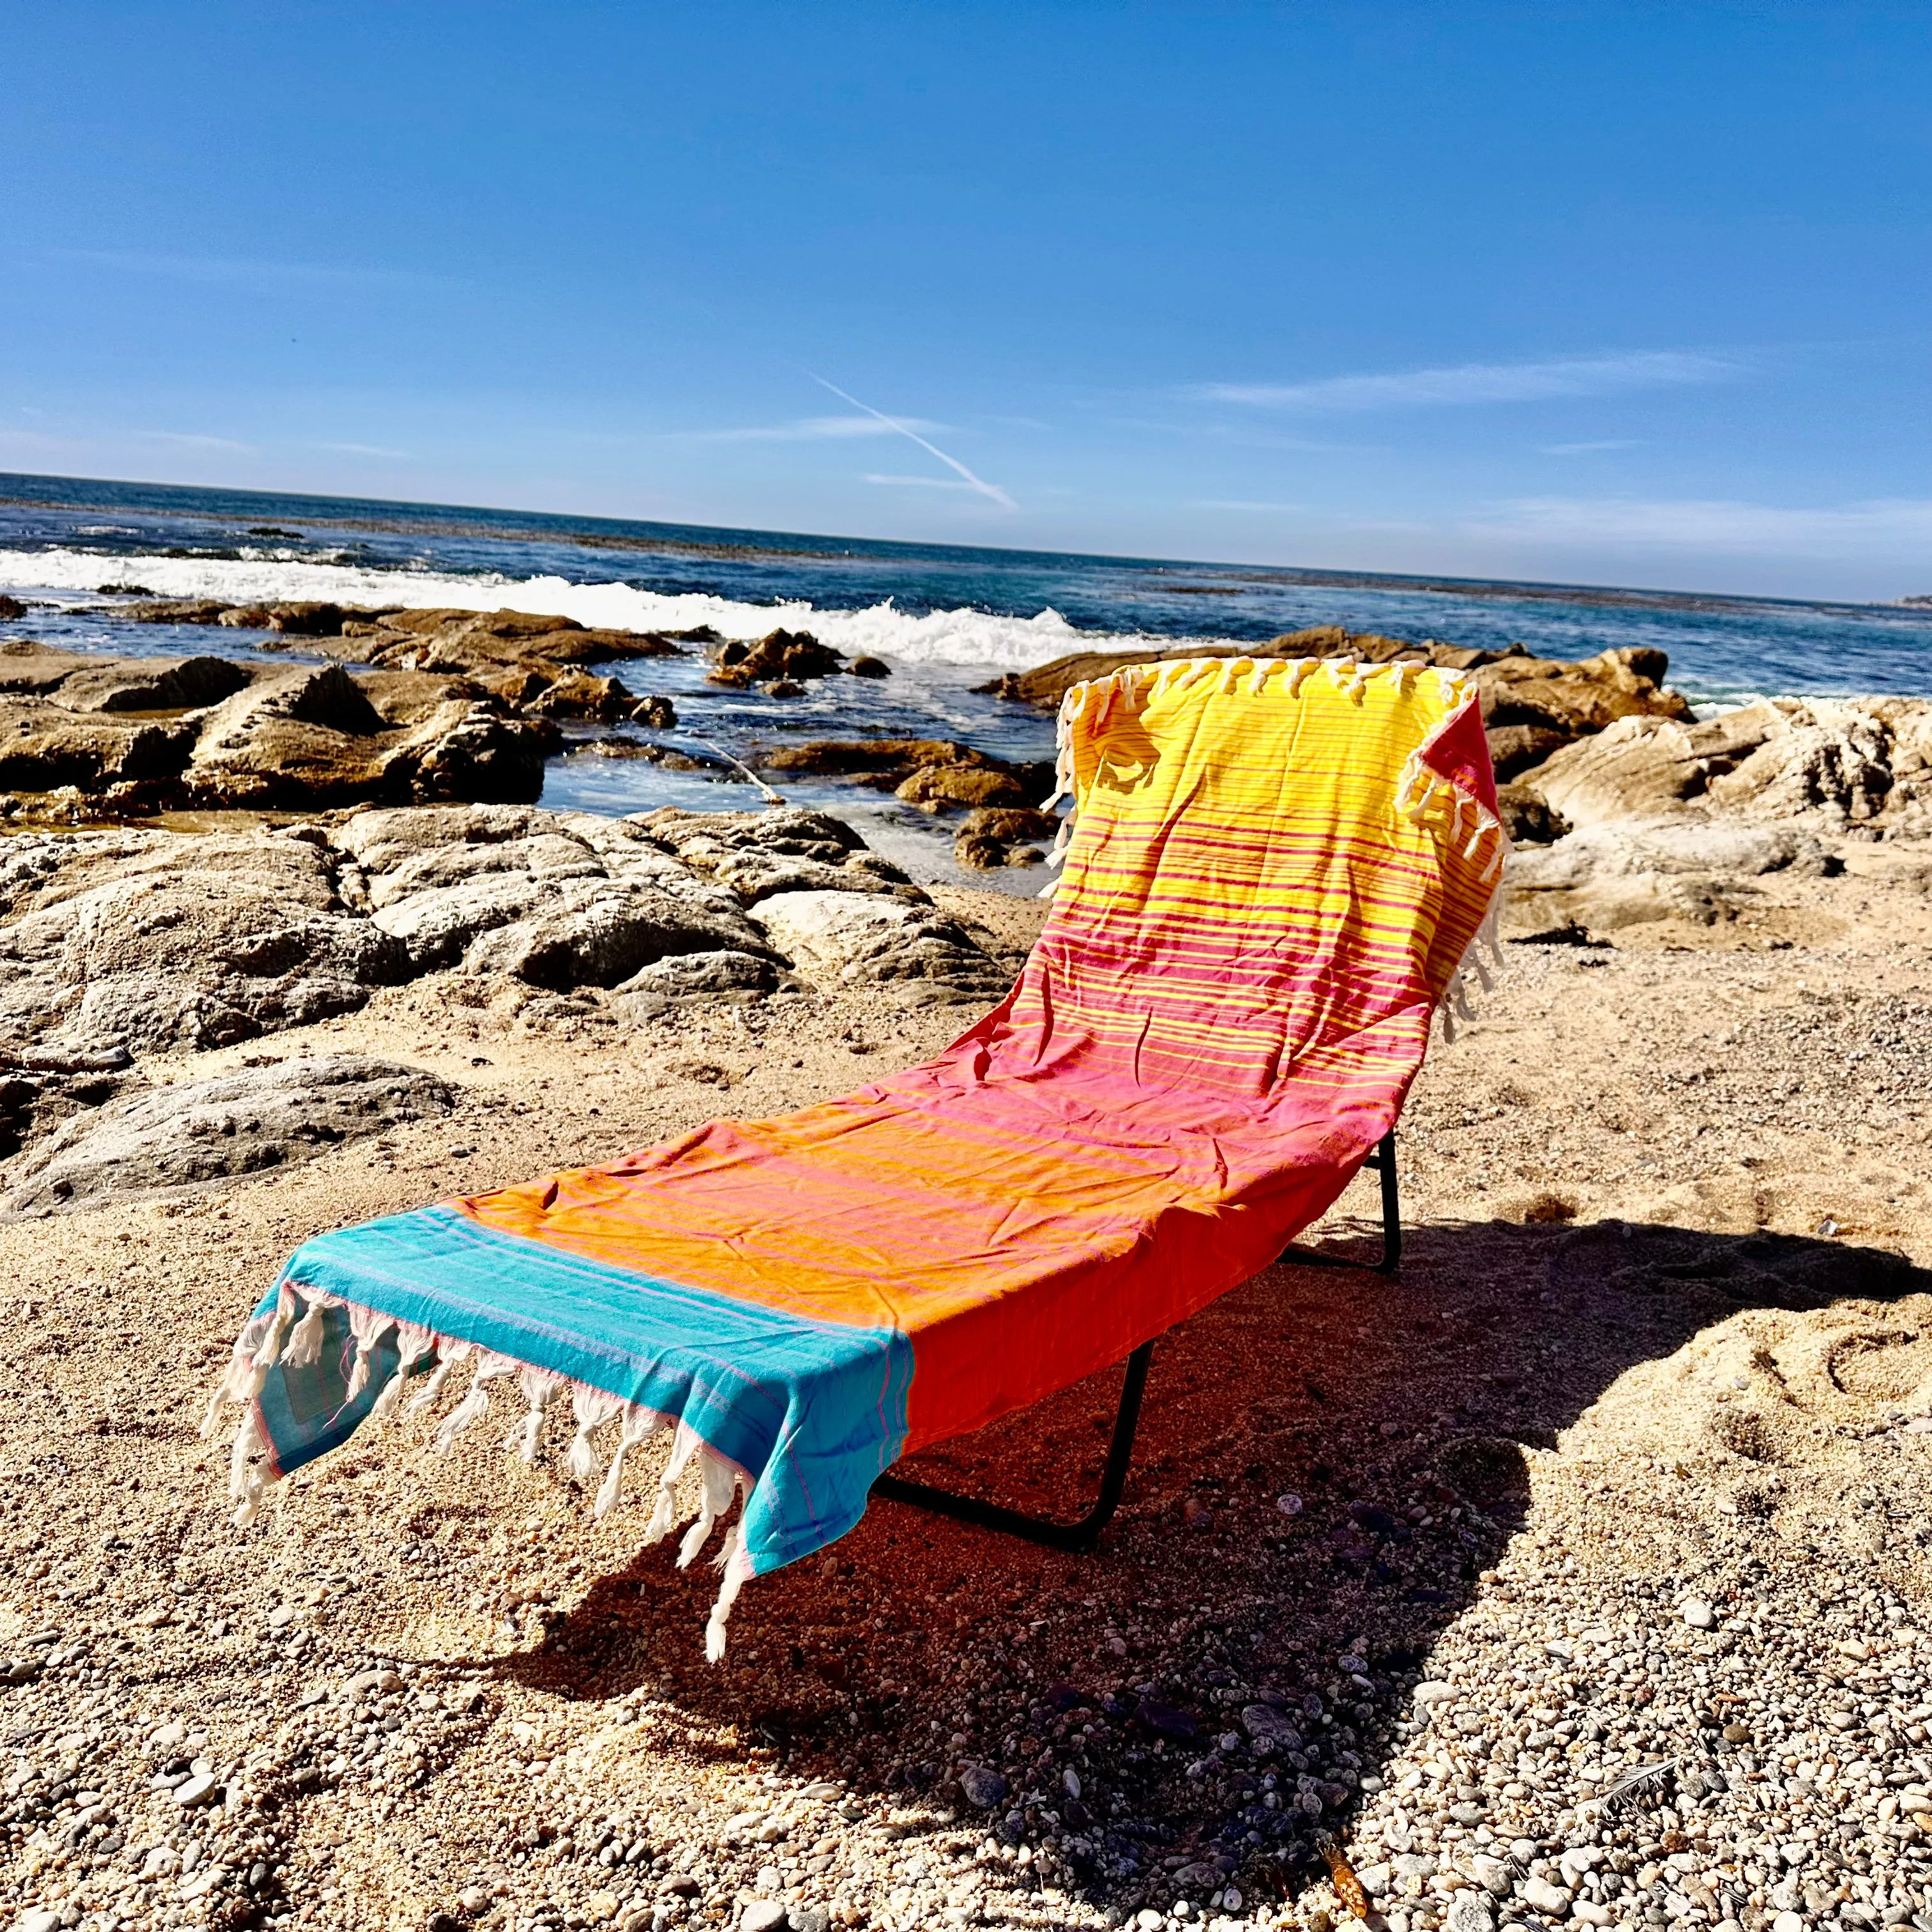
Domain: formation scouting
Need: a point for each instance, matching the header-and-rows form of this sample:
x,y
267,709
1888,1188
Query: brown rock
x,y
783,687
321,737
1008,823
307,620
1638,768
579,694
1573,700
869,667
1527,819
780,654
659,713
152,684
43,746
961,784
977,853
843,756
174,610
26,666
11,607
1514,749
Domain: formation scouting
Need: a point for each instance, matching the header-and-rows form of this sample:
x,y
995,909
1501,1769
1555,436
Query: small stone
x,y
981,1785
1541,1896
763,1914
1165,1721
1698,1614
1737,1734
1919,1425
1788,1921
196,1790
1289,1504
811,1919
1469,1911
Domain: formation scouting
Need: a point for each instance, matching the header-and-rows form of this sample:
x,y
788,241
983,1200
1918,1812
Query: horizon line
x,y
1442,583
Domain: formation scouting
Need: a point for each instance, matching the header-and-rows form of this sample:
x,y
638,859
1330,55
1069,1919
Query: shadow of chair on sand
x,y
1398,1412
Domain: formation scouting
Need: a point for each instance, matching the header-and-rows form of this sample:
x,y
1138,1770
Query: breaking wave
x,y
970,639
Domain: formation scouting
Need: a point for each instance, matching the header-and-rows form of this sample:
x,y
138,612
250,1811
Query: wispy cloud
x,y
364,449
923,482
1473,382
1590,448
177,440
952,462
812,429
1851,530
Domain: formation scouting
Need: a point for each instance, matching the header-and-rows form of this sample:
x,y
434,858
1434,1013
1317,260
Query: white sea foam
x,y
967,638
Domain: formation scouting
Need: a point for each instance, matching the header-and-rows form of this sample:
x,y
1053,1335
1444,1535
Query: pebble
x,y
1698,1614
763,1914
196,1790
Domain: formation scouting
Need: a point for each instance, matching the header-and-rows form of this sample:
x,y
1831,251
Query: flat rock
x,y
320,736
724,974
150,941
29,668
209,1131
846,939
599,933
43,747
1606,877
152,684
848,757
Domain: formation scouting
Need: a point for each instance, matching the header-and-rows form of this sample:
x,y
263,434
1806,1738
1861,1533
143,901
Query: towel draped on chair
x,y
1275,871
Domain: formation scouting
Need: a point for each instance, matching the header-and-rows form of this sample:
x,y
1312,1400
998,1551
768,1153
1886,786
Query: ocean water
x,y
945,618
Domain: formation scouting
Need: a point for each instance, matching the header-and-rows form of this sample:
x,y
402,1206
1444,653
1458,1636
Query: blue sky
x,y
1616,293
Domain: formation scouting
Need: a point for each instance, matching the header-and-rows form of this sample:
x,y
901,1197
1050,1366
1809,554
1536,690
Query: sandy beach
x,y
1628,1468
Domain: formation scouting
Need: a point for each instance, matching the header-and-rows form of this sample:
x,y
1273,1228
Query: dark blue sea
x,y
945,618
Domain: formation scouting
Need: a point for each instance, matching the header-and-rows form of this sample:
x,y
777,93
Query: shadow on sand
x,y
918,1647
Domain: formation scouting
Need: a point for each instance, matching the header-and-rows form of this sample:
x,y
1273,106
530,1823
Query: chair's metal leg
x,y
1383,1160
1078,1536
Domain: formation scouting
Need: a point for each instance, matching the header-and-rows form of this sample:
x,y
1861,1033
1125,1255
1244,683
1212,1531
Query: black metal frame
x,y
1383,1161
1078,1538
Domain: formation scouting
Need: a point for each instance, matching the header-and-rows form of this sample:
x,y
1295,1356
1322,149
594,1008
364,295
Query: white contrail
x,y
979,483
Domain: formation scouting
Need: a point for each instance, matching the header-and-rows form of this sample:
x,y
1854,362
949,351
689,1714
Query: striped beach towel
x,y
1273,874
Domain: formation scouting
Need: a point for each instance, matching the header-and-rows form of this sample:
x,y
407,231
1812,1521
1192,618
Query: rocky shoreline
x,y
1577,1578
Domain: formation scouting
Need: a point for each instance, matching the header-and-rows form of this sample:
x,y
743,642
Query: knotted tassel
x,y
453,1352
271,1343
476,1403
412,1343
368,1326
303,1349
664,1518
718,1485
640,1425
538,1386
737,1560
592,1409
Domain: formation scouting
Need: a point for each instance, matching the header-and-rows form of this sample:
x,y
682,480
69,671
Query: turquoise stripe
x,y
812,1410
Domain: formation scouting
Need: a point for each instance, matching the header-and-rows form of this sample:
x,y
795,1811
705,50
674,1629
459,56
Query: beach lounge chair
x,y
1275,872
